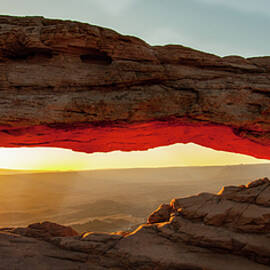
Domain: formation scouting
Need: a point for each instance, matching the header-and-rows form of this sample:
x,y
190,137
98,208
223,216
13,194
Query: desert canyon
x,y
87,88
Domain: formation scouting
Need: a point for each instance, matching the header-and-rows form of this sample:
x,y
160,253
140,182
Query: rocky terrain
x,y
109,200
228,230
80,86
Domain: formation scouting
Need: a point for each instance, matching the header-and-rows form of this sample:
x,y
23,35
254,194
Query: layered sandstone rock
x,y
45,231
87,88
228,230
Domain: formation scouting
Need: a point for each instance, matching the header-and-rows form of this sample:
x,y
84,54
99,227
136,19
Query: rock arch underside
x,y
78,86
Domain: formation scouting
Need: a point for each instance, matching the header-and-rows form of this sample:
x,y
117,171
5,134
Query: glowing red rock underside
x,y
133,137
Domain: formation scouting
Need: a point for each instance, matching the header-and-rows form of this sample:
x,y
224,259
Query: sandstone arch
x,y
78,86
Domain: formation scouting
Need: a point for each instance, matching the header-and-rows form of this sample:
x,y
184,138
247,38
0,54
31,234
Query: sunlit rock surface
x,y
87,88
228,230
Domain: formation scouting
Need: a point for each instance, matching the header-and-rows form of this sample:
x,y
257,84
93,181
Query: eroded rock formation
x,y
228,230
87,88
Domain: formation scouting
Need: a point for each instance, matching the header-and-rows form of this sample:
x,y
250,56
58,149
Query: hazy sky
x,y
223,27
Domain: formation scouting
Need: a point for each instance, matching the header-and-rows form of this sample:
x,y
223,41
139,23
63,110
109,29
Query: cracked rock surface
x,y
228,230
78,86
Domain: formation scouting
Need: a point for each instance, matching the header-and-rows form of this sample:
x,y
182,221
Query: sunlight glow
x,y
56,159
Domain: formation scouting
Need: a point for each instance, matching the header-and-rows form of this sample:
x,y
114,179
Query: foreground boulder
x,y
45,231
228,230
78,86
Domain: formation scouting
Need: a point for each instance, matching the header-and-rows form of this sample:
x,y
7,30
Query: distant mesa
x,y
87,88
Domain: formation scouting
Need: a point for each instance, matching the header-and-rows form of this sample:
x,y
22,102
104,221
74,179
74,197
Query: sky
x,y
222,27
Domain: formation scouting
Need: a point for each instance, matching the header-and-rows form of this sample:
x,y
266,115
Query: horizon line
x,y
128,168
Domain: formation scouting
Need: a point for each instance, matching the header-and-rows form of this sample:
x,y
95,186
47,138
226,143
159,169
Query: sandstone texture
x,y
45,231
228,230
83,87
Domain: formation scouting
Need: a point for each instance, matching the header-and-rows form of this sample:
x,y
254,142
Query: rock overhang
x,y
78,86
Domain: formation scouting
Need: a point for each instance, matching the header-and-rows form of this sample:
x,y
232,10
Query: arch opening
x,y
51,159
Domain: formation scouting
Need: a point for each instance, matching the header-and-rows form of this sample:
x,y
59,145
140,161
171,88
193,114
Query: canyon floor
x,y
109,225
108,200
227,230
